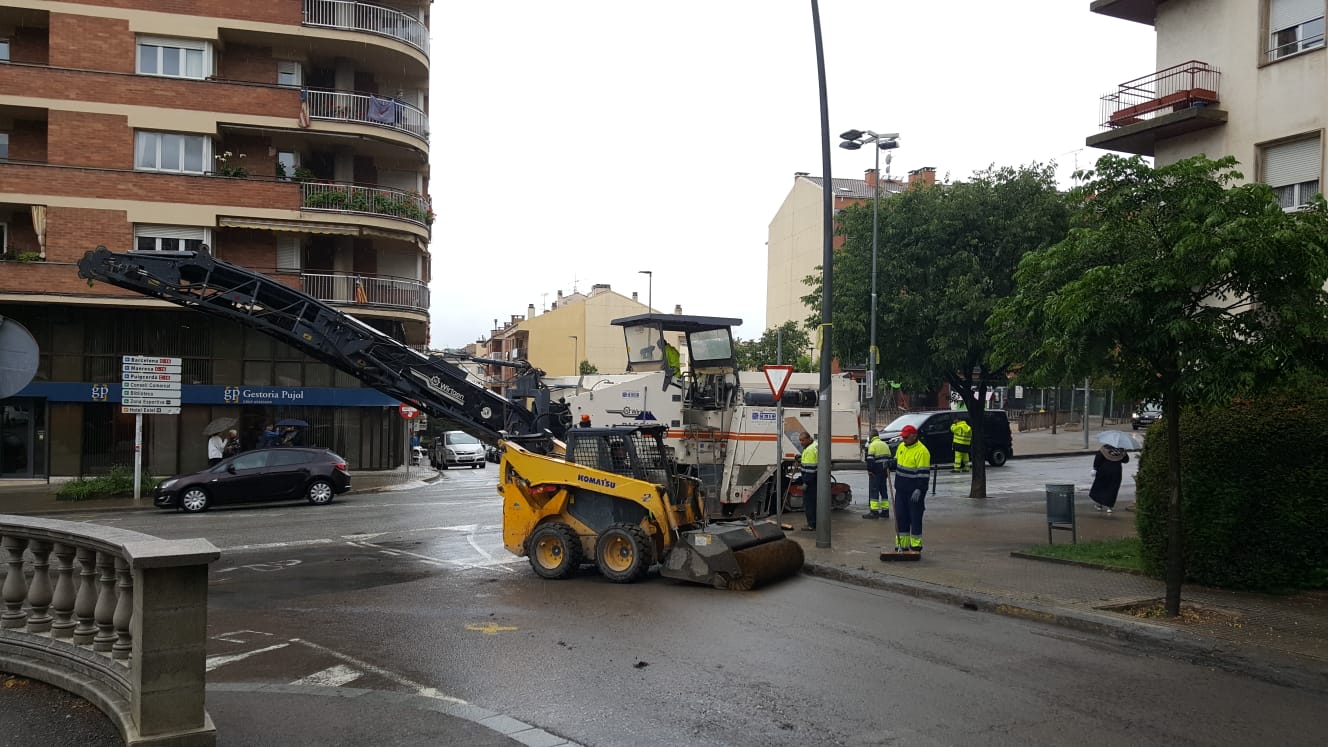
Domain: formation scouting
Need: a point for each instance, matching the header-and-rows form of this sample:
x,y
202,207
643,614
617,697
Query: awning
x,y
297,226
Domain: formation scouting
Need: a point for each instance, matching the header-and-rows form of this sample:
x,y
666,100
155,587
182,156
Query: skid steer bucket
x,y
734,555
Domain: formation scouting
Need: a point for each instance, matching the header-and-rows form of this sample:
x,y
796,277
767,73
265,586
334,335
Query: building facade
x,y
287,136
1244,78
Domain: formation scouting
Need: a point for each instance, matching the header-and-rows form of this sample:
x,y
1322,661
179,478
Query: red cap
x,y
908,431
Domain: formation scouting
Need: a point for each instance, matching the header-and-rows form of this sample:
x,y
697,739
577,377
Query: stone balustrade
x,y
116,617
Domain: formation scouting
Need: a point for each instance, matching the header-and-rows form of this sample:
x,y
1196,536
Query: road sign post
x,y
148,386
777,377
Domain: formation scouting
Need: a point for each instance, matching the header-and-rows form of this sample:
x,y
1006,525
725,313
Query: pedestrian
x,y
232,446
270,437
1106,473
807,478
878,478
216,447
912,468
963,438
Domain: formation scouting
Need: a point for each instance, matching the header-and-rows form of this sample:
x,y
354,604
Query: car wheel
x,y
480,465
320,492
997,457
554,551
194,500
1135,426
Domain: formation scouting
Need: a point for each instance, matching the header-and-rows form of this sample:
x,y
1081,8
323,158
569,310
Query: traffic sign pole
x,y
138,456
148,386
777,377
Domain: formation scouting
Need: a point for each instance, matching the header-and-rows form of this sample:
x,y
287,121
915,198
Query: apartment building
x,y
288,136
1245,78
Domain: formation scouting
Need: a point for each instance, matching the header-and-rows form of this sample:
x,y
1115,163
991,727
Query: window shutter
x,y
1283,14
1292,163
172,232
288,253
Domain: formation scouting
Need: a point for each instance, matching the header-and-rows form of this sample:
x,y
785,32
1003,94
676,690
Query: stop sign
x,y
408,412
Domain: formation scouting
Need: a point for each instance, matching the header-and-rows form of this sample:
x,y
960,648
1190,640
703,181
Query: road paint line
x,y
457,563
277,545
227,636
471,539
220,661
331,677
419,689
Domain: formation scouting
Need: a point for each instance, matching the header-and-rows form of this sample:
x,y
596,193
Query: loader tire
x,y
622,553
554,551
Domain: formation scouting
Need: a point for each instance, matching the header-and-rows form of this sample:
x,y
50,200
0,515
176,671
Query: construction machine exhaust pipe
x,y
734,555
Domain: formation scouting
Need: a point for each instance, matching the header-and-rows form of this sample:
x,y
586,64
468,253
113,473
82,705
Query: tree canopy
x,y
753,354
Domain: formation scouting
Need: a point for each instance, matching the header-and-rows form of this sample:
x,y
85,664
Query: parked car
x,y
418,455
279,474
458,449
1145,416
934,431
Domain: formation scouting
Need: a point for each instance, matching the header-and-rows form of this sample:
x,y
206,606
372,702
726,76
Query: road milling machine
x,y
612,496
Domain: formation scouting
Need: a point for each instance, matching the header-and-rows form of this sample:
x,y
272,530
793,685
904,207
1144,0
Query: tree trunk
x,y
1175,573
977,451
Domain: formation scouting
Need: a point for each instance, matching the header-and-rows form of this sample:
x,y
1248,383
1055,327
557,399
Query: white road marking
x,y
278,545
220,661
237,636
419,689
331,677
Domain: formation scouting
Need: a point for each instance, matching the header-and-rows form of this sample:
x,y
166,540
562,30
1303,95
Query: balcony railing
x,y
366,290
374,19
341,197
383,111
1184,86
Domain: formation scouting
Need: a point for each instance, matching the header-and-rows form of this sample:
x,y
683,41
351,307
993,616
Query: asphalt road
x,y
410,591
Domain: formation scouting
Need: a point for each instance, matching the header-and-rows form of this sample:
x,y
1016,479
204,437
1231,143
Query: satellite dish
x,y
18,357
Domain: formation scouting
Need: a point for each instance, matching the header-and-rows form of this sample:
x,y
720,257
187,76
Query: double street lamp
x,y
853,140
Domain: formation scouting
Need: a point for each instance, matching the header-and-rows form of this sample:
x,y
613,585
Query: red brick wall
x,y
93,43
254,249
72,232
29,45
132,185
68,134
27,141
267,11
253,64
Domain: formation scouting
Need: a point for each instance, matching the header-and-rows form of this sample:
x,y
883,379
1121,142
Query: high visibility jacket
x,y
912,468
878,452
963,433
810,457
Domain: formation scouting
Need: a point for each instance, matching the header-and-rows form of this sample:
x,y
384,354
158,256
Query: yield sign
x,y
778,378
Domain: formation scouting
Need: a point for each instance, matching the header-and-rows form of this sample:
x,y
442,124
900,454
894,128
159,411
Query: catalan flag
x,y
360,295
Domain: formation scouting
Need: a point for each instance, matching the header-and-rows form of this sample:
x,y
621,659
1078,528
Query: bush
x,y
1253,495
118,484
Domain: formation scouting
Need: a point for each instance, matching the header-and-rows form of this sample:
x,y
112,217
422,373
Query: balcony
x,y
1178,100
341,197
1139,11
363,108
347,15
366,290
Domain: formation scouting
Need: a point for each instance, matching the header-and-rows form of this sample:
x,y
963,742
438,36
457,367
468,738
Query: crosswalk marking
x,y
334,676
217,661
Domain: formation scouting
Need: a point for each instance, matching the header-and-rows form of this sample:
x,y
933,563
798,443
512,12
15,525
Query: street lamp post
x,y
650,288
575,351
853,140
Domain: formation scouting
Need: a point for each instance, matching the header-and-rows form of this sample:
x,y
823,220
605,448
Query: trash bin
x,y
1060,510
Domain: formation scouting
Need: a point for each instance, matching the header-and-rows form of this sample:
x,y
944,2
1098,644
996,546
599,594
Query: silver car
x,y
458,449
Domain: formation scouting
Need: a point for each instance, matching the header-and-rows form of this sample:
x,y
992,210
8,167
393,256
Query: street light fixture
x,y
650,288
853,140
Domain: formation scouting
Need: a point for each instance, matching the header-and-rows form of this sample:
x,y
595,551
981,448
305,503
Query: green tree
x,y
753,354
1182,287
946,255
588,368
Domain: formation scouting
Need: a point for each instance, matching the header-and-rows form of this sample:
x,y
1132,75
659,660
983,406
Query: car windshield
x,y
458,438
914,419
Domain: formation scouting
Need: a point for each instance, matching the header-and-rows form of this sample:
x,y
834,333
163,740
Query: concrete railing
x,y
116,617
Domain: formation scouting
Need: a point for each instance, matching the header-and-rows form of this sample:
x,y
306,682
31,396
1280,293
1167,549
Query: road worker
x,y
912,468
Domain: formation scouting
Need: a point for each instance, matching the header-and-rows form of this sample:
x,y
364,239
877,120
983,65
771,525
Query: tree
x,y
753,354
586,368
946,255
1183,288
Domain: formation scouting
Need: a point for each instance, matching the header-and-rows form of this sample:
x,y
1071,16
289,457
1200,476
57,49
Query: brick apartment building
x,y
288,136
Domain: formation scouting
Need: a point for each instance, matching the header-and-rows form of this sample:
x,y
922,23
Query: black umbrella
x,y
218,425
293,421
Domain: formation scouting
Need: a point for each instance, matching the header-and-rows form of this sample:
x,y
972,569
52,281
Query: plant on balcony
x,y
23,257
230,164
332,199
304,174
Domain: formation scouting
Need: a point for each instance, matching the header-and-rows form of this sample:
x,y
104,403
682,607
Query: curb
x,y
1273,667
1079,563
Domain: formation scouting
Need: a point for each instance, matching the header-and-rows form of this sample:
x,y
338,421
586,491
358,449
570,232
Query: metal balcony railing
x,y
1182,86
383,111
366,290
374,19
343,197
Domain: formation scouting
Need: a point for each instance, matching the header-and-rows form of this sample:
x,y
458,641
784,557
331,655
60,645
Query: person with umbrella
x,y
216,444
1107,468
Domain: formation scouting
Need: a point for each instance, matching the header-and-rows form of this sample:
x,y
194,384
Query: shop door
x,y
16,438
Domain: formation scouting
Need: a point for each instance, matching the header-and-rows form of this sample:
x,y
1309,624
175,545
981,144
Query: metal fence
x,y
368,290
367,108
1182,86
374,19
343,197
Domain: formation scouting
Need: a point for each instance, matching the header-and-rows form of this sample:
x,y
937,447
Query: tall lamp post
x,y
575,351
650,288
853,140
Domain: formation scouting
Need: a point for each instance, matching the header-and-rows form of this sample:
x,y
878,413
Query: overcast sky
x,y
577,142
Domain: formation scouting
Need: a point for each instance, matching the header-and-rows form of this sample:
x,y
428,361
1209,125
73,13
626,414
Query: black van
x,y
934,430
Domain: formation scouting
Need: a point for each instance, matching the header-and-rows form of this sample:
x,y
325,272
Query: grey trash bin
x,y
1060,510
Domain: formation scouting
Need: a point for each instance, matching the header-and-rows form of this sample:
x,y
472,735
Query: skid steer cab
x,y
618,501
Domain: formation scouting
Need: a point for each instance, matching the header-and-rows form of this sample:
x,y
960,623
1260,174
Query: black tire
x,y
554,551
481,465
320,492
1134,426
622,553
998,457
195,501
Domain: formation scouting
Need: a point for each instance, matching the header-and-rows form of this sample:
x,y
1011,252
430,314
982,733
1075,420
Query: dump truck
x,y
615,497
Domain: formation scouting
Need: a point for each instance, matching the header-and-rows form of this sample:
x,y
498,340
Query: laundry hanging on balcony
x,y
304,109
382,110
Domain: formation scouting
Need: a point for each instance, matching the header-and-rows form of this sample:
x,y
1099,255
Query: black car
x,y
934,431
279,474
1145,416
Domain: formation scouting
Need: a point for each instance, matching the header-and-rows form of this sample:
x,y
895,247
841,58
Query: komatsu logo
x,y
597,481
437,384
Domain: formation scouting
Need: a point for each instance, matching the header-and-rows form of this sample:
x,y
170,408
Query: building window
x,y
174,58
167,151
4,50
288,253
290,73
4,146
287,163
4,238
1293,170
149,238
1294,26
